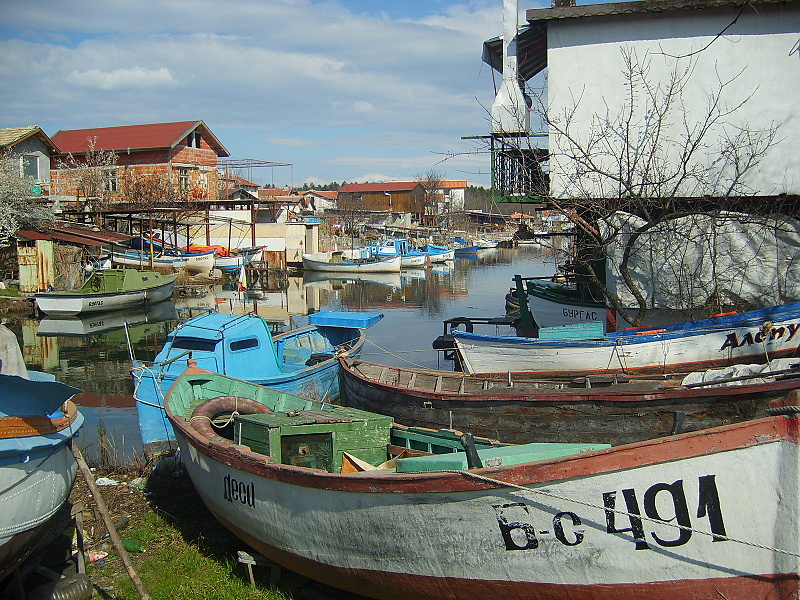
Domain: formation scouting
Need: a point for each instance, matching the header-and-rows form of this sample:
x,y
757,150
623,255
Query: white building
x,y
746,53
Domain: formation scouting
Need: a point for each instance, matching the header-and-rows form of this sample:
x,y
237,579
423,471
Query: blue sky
x,y
344,90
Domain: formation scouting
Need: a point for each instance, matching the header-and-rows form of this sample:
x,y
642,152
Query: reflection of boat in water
x,y
69,326
407,274
444,268
390,279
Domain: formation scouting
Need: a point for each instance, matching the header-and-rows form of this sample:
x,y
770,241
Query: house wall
x,y
406,201
759,53
33,147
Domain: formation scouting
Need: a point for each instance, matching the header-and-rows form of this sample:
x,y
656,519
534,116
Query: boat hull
x,y
552,307
597,525
199,263
143,261
79,303
538,410
390,264
754,337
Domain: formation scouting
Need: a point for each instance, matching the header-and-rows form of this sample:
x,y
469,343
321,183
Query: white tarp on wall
x,y
689,261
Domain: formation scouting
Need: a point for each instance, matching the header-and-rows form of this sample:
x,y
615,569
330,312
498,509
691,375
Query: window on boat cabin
x,y
183,178
245,344
190,343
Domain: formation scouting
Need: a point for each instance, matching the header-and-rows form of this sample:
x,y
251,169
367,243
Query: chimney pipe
x,y
509,110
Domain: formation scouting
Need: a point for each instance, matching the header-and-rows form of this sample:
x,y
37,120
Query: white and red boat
x,y
755,336
707,514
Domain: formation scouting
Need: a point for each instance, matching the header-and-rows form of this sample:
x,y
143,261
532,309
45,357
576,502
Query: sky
x,y
342,90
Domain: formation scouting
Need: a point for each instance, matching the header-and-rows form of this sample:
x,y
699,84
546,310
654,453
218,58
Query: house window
x,y
194,139
110,180
30,166
202,180
183,178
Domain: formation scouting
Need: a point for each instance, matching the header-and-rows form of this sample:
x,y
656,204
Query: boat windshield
x,y
192,343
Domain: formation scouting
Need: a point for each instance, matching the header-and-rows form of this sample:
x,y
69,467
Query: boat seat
x,y
296,356
494,457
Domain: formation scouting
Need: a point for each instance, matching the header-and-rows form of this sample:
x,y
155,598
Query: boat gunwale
x,y
649,452
602,395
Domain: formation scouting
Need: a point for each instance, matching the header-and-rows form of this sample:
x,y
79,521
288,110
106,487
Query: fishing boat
x,y
332,494
409,257
37,470
721,340
107,290
438,254
524,407
199,261
235,259
143,260
302,361
555,305
337,262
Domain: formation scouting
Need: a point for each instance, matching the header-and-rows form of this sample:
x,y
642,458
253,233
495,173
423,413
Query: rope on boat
x,y
626,513
397,356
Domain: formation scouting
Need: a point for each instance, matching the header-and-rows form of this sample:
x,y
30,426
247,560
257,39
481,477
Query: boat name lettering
x,y
708,506
518,533
239,491
521,535
95,303
581,315
760,336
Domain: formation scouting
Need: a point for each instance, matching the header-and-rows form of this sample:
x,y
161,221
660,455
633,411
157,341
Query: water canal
x,y
92,353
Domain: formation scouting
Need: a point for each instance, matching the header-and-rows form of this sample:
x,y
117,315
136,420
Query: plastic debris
x,y
137,484
106,481
95,557
131,546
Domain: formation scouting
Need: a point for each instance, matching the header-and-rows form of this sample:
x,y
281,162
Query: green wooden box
x,y
316,438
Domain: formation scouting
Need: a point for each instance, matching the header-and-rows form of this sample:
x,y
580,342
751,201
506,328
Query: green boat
x,y
107,290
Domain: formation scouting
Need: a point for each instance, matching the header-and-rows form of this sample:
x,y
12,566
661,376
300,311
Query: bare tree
x,y
18,206
94,176
431,181
648,166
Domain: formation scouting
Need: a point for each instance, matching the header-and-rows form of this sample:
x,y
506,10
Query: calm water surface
x,y
93,354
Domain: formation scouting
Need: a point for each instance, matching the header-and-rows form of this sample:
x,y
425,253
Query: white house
x,y
748,54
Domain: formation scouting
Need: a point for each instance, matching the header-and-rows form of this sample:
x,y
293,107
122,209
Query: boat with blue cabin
x,y
303,361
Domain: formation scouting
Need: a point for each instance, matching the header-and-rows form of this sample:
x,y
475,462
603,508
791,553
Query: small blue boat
x,y
37,469
303,361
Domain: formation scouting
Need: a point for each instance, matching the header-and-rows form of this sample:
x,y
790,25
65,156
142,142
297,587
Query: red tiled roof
x,y
134,137
330,194
450,184
391,186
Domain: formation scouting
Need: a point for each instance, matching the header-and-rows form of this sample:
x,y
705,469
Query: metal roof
x,y
532,38
135,137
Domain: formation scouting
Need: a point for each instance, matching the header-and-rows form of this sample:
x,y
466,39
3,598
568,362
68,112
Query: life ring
x,y
203,415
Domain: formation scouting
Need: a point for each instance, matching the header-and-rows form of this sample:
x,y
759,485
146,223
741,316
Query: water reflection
x,y
93,353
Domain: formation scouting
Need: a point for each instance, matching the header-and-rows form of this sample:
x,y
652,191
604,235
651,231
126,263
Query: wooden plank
x,y
438,386
382,376
412,381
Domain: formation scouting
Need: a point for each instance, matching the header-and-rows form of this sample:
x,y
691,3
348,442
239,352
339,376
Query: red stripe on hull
x,y
404,586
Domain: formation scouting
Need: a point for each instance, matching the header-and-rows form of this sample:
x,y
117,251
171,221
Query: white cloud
x,y
136,77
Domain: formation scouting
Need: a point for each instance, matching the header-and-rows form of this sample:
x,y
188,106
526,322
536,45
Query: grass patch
x,y
12,291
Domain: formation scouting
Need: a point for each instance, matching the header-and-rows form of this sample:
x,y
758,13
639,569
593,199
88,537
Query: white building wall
x,y
586,66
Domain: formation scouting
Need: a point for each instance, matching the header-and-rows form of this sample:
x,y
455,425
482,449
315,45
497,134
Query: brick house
x,y
184,153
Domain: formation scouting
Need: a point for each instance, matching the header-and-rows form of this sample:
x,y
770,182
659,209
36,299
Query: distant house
x,y
451,194
393,196
233,187
321,200
34,149
185,153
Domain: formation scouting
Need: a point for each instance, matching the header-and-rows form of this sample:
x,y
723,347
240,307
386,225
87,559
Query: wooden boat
x,y
755,336
525,407
554,305
108,290
332,494
335,262
409,257
143,260
302,361
37,469
438,254
199,261
235,259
